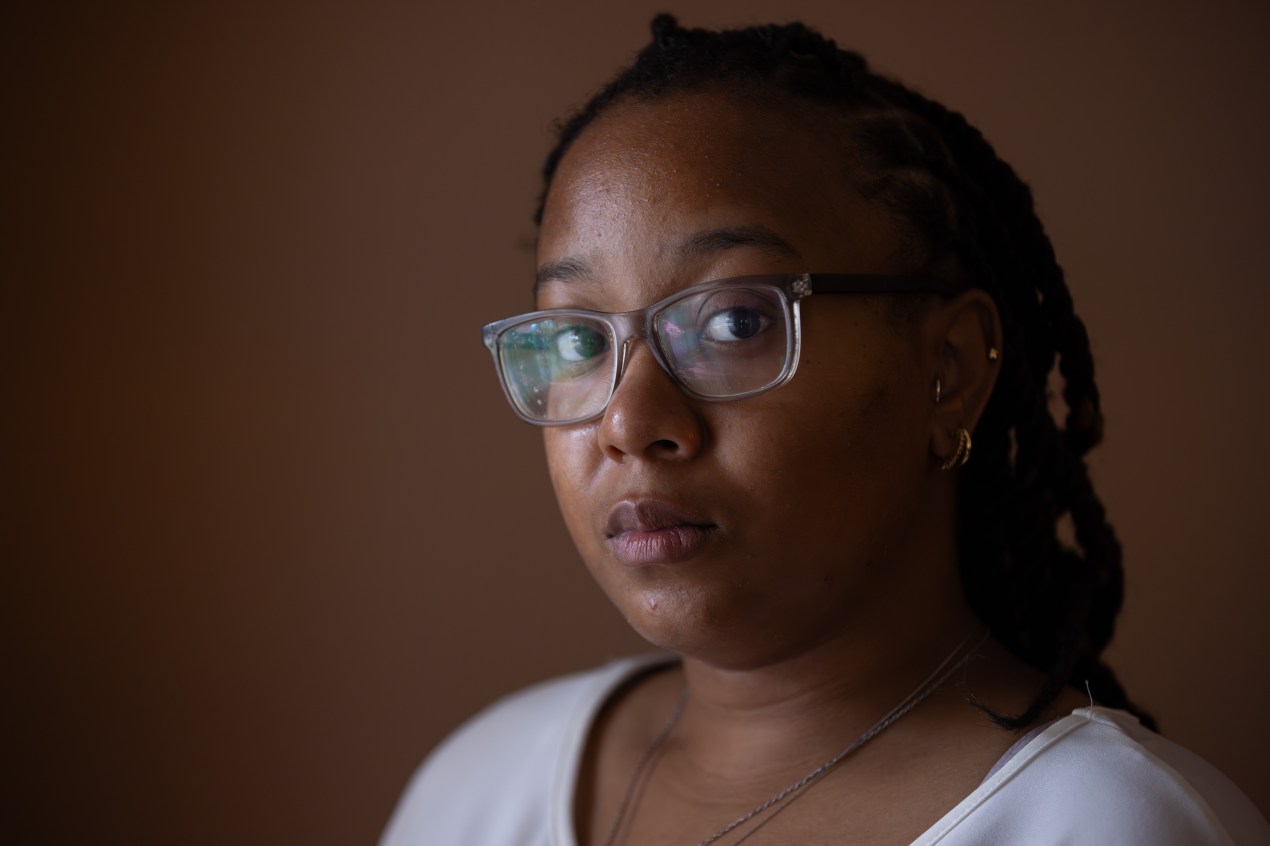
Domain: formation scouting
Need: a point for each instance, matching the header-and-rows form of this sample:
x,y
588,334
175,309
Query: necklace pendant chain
x,y
789,793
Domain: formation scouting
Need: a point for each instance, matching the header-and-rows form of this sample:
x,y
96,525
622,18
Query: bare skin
x,y
890,791
823,587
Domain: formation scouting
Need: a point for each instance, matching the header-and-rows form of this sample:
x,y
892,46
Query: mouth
x,y
641,532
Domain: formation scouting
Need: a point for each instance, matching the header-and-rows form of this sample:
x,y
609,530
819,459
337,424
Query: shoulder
x,y
1099,776
500,776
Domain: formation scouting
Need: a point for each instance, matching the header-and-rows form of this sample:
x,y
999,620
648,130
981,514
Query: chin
x,y
670,618
699,624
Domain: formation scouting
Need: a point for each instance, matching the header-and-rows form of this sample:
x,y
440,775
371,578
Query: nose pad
x,y
624,357
649,416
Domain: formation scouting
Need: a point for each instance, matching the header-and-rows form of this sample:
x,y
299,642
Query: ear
x,y
964,337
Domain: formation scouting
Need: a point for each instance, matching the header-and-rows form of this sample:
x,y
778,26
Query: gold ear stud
x,y
993,353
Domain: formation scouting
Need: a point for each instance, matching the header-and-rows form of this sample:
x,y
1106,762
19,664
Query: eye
x,y
735,324
576,344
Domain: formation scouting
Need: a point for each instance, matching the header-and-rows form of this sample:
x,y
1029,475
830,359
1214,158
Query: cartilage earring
x,y
960,455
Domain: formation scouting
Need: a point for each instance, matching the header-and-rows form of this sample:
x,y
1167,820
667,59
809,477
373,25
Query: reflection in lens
x,y
737,323
557,368
580,345
726,341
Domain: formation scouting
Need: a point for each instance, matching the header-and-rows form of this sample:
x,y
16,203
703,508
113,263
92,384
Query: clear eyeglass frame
x,y
624,327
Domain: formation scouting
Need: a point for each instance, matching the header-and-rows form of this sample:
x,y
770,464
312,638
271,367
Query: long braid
x,y
1052,605
1049,463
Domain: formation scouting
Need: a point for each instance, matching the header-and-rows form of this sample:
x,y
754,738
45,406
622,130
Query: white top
x,y
507,778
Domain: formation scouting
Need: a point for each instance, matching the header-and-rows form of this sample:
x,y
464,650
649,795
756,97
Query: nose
x,y
649,417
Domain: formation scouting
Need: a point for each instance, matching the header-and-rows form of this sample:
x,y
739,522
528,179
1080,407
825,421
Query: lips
x,y
644,531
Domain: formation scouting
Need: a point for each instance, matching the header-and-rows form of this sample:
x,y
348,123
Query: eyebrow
x,y
562,270
695,246
721,240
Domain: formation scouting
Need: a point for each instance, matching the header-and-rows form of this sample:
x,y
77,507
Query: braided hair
x,y
1050,599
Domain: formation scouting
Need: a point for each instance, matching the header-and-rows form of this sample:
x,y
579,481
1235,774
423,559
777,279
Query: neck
x,y
795,712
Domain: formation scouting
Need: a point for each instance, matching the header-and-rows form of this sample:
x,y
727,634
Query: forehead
x,y
646,174
706,147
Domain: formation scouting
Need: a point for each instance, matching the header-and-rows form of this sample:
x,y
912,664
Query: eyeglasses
x,y
721,340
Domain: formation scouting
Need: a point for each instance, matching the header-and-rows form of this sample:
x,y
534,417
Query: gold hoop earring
x,y
962,454
939,390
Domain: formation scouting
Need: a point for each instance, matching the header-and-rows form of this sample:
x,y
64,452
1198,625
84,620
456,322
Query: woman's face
x,y
739,532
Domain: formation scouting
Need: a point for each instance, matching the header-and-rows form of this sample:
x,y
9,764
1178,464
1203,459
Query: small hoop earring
x,y
939,390
962,454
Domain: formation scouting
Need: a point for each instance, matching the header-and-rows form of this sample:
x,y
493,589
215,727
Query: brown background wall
x,y
270,531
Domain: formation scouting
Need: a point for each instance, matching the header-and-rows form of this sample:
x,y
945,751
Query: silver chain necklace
x,y
791,792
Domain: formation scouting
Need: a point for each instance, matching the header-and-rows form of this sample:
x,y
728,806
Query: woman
x,y
795,329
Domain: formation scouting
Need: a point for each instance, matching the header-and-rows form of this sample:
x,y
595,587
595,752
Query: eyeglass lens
x,y
717,343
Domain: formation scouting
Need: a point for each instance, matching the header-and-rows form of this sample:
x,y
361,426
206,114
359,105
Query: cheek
x,y
849,453
870,390
571,463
